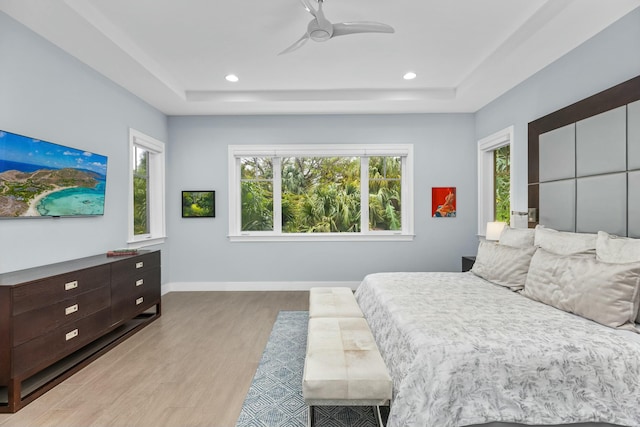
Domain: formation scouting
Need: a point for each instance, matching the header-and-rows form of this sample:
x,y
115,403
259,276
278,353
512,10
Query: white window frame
x,y
236,152
486,190
156,192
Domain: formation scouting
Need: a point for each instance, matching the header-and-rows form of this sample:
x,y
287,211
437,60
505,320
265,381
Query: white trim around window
x,y
486,191
363,151
156,196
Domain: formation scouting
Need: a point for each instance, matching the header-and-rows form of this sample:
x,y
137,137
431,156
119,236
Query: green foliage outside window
x,y
385,175
140,192
257,194
502,176
320,194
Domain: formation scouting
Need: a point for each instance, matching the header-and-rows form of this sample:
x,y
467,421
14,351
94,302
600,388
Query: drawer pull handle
x,y
139,264
71,309
139,282
139,300
71,335
70,285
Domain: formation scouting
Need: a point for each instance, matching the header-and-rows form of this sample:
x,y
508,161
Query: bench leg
x,y
311,419
376,412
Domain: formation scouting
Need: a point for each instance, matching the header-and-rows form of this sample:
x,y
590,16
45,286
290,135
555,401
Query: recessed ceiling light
x,y
410,76
231,78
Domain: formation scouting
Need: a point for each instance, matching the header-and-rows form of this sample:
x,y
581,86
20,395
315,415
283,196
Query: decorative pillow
x,y
618,250
517,237
503,265
563,242
604,292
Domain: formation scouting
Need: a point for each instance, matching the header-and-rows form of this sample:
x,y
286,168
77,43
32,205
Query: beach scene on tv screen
x,y
39,178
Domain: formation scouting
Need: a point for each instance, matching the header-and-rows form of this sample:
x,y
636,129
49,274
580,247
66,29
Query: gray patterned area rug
x,y
275,396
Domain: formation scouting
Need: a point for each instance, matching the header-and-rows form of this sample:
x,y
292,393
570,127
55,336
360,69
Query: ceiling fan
x,y
320,29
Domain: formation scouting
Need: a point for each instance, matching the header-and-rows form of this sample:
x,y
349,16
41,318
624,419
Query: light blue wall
x,y
47,94
609,58
200,251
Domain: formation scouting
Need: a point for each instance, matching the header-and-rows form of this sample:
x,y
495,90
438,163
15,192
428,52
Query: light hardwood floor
x,y
191,367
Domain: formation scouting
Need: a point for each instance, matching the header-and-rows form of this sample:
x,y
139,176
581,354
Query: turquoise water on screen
x,y
74,201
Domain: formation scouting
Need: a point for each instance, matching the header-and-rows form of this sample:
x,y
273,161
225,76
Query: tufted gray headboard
x,y
584,164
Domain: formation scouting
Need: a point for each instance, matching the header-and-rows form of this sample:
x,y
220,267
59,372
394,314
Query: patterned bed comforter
x,y
463,351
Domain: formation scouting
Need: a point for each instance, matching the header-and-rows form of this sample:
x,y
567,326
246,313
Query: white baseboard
x,y
249,286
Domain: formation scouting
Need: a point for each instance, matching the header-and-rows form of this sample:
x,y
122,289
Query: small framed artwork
x,y
443,202
198,204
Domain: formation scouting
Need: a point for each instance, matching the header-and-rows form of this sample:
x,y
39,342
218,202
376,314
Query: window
x,y
502,183
146,190
140,191
495,178
320,192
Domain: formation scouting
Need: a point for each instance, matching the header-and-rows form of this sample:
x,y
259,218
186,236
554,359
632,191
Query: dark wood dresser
x,y
56,319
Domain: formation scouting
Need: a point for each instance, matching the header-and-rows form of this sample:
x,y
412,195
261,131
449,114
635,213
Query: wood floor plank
x,y
190,368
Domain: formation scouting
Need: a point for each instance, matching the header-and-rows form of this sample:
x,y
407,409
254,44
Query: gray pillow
x,y
517,237
564,242
503,265
604,292
617,250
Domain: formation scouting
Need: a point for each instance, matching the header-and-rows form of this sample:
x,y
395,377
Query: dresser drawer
x,y
35,354
134,284
32,324
58,288
134,303
132,266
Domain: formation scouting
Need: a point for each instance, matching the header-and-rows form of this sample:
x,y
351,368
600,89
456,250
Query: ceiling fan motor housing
x,y
318,31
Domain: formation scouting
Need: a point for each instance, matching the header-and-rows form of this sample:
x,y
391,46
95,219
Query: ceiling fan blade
x,y
345,28
308,7
297,45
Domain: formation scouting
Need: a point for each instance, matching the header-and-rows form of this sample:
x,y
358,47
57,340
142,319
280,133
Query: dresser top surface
x,y
37,273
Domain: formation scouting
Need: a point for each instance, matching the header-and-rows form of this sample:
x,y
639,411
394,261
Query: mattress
x,y
462,351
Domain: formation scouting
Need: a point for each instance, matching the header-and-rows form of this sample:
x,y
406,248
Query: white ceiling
x,y
174,54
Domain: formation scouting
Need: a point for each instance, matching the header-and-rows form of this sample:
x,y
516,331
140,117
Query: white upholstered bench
x,y
343,366
333,302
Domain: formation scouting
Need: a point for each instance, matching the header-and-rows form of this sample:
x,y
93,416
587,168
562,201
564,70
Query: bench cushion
x,y
343,365
333,302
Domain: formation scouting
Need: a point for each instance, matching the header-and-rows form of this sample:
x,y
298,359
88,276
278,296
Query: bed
x,y
480,347
544,329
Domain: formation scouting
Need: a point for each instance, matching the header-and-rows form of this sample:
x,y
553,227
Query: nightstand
x,y
467,262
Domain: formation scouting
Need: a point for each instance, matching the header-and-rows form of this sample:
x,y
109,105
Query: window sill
x,y
151,241
316,237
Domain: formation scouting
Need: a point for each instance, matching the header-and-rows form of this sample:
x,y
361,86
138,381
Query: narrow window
x,y
146,190
502,183
140,191
495,178
257,193
385,193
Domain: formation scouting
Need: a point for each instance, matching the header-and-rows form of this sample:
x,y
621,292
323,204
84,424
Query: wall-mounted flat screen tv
x,y
42,179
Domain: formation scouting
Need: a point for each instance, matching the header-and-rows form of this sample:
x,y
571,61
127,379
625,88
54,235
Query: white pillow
x,y
517,237
563,242
503,265
618,250
604,292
